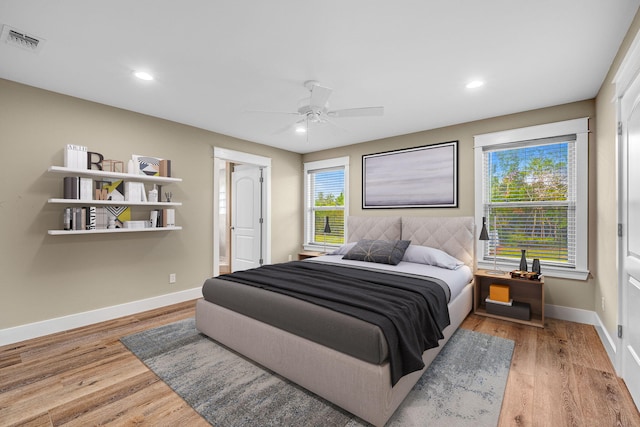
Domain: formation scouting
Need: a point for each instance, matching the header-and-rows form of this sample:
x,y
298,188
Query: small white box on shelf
x,y
135,224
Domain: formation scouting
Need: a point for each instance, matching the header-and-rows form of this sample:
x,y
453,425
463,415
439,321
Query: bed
x,y
342,359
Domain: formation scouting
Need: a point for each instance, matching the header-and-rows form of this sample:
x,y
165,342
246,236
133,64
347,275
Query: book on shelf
x,y
66,219
91,218
165,167
167,218
86,189
84,218
493,301
78,219
75,156
102,218
71,187
134,192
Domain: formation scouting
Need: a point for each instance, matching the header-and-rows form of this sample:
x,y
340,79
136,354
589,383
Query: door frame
x,y
224,154
626,76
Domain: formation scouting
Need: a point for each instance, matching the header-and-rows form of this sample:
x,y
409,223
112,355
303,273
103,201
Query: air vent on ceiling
x,y
18,38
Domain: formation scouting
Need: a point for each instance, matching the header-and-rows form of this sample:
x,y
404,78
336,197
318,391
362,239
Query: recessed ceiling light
x,y
474,84
301,128
143,75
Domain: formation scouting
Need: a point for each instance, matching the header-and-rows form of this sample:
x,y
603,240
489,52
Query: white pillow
x,y
431,256
342,250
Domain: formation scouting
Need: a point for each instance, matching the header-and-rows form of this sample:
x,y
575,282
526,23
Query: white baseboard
x,y
608,341
569,314
59,324
588,317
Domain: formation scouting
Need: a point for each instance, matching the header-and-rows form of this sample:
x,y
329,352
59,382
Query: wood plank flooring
x,y
560,376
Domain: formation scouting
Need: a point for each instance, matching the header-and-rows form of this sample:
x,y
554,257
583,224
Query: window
x,y
531,186
326,196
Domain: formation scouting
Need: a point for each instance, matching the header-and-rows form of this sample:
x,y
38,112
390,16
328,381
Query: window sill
x,y
562,273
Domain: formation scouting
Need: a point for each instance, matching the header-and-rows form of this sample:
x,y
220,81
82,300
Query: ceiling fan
x,y
315,109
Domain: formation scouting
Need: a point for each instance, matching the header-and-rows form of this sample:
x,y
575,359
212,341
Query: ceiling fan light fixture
x,y
301,128
474,84
143,75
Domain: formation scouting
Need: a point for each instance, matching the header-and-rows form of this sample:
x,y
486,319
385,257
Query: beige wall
x,y
605,245
45,277
569,293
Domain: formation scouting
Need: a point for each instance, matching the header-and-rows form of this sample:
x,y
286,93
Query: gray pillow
x,y
380,251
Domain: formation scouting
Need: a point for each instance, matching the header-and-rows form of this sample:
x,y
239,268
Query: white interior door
x,y
246,217
630,238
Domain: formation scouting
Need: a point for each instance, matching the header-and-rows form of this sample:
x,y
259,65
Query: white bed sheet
x,y
456,279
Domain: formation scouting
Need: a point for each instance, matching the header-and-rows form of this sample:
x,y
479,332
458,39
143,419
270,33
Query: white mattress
x,y
456,279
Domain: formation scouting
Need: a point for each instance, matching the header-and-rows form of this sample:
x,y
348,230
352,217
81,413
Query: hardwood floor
x,y
560,376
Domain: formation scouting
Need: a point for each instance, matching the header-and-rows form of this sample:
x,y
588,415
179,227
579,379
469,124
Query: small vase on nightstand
x,y
535,267
523,261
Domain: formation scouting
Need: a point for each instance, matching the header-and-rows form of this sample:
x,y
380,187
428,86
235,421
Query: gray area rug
x,y
464,386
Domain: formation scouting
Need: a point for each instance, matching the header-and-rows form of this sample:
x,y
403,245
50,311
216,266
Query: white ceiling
x,y
215,61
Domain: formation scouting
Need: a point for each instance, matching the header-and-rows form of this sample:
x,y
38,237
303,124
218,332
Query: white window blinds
x,y
532,186
325,202
530,200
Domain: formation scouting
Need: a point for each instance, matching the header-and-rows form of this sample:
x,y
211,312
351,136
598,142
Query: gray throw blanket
x,y
410,311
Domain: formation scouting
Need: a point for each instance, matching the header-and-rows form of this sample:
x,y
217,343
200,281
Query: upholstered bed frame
x,y
361,388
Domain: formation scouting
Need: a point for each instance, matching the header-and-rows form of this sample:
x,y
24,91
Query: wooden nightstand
x,y
521,290
308,254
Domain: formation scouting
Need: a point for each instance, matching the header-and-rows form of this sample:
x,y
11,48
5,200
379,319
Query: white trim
x,y
65,323
566,127
240,157
325,164
609,343
570,314
244,158
579,127
337,162
629,68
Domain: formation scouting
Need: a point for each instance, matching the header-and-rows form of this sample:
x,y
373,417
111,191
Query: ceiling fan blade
x,y
357,112
273,112
319,96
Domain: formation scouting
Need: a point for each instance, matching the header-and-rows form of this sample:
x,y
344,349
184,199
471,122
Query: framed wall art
x,y
419,177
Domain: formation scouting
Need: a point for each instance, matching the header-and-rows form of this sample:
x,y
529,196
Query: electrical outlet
x,y
602,303
172,278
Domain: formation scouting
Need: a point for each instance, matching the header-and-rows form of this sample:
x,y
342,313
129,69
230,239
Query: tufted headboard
x,y
374,228
454,235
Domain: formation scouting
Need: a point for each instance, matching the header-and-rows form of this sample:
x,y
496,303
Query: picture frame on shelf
x,y
147,165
